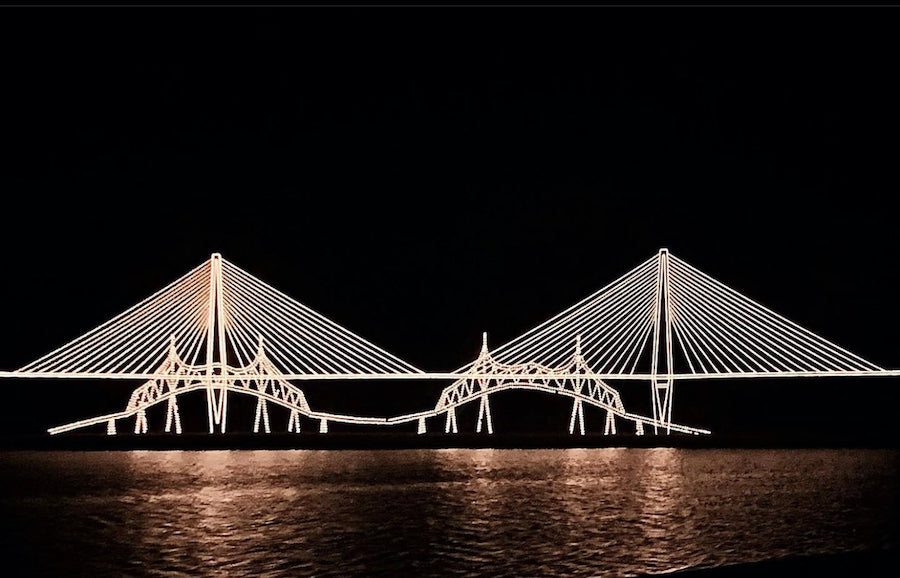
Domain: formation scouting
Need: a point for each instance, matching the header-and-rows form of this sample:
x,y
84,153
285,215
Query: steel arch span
x,y
220,330
574,379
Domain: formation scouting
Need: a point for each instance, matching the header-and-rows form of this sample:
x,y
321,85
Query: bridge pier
x,y
662,404
294,422
173,415
140,422
484,411
451,421
111,427
323,426
421,429
577,412
610,427
262,411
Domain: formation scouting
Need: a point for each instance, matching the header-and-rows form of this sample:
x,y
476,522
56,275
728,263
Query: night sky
x,y
421,176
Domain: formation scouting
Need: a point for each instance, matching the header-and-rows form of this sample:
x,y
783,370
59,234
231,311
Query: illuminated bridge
x,y
219,330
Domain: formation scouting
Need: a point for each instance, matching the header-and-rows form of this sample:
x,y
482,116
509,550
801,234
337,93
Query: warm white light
x,y
664,304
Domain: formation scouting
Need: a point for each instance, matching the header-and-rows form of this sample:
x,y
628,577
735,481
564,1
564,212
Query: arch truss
x,y
574,379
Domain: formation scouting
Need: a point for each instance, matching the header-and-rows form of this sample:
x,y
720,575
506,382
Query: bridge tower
x,y
662,385
216,398
484,408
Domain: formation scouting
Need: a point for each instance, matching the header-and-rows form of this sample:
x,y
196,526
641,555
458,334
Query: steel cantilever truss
x,y
574,379
220,330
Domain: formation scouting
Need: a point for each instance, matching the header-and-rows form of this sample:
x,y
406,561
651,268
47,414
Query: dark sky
x,y
421,176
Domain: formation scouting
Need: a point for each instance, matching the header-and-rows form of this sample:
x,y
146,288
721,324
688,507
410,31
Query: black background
x,y
423,175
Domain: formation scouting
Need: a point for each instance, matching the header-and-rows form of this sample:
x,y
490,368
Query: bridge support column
x,y
421,429
451,421
662,404
577,412
638,428
323,426
209,407
111,427
484,411
263,412
140,422
173,415
610,427
223,407
294,422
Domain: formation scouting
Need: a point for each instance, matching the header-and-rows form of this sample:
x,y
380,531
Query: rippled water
x,y
575,512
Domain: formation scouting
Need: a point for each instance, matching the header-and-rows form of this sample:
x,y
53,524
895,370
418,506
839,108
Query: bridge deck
x,y
445,376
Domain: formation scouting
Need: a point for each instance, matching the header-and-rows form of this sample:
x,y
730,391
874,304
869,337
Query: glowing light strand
x,y
662,301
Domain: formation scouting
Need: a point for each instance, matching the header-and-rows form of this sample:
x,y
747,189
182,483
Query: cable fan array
x,y
717,330
297,340
614,326
137,340
714,329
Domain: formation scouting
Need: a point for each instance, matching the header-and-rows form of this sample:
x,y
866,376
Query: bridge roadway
x,y
445,376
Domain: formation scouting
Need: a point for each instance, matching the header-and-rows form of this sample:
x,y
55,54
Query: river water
x,y
575,512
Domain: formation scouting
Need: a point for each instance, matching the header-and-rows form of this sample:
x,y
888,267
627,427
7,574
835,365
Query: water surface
x,y
576,512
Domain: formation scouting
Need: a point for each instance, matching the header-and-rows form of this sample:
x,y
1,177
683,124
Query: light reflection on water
x,y
576,512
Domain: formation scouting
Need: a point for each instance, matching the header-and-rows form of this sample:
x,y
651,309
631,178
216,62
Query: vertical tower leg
x,y
610,427
421,429
172,415
140,422
480,416
484,412
662,405
661,389
177,417
451,421
574,417
654,402
577,413
581,417
209,408
223,407
667,406
169,415
265,416
259,404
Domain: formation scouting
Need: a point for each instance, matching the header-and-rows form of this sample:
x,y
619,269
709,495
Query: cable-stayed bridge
x,y
220,330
